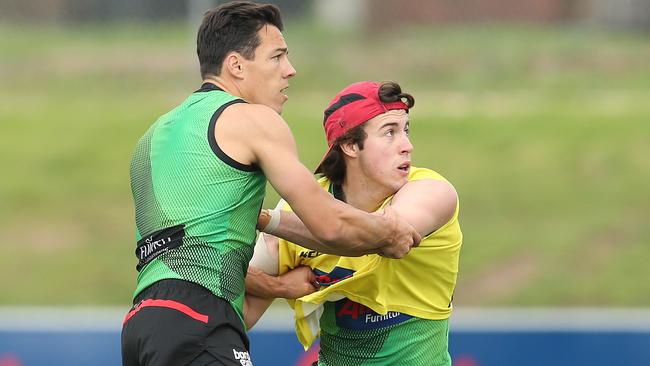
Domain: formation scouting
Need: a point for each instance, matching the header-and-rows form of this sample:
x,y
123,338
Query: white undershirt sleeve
x,y
265,256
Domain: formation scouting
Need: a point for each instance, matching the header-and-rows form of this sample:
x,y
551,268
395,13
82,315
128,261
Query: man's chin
x,y
401,184
278,108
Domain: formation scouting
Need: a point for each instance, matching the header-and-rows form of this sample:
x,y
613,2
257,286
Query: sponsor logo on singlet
x,y
309,254
158,242
352,315
334,276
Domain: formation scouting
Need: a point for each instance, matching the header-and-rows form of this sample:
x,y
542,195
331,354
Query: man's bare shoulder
x,y
429,203
256,129
255,116
437,192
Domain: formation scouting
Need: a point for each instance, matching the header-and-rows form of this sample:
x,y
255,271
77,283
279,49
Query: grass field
x,y
544,132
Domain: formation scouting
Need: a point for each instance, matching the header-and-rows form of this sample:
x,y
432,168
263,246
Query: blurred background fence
x,y
536,110
377,13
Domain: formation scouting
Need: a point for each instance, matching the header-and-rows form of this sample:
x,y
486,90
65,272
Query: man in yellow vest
x,y
368,310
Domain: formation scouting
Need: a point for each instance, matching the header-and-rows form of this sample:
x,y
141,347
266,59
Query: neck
x,y
363,193
227,85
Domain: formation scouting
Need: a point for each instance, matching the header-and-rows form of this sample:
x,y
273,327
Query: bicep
x,y
288,176
426,204
275,152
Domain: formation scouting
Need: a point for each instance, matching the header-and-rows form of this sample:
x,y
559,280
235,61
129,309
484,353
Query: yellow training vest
x,y
421,284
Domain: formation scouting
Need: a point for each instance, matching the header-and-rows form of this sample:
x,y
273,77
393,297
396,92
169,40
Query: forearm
x,y
261,289
340,228
291,228
260,284
353,232
287,225
254,308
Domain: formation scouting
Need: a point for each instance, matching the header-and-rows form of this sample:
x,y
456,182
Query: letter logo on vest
x,y
158,242
352,315
309,254
336,275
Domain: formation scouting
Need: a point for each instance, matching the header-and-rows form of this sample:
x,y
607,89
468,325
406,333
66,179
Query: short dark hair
x,y
232,27
333,165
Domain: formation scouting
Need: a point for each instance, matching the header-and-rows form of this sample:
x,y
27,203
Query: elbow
x,y
329,236
336,232
327,230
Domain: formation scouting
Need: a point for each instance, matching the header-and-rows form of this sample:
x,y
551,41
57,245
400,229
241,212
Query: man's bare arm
x,y
333,223
292,229
425,204
262,289
296,283
254,308
263,284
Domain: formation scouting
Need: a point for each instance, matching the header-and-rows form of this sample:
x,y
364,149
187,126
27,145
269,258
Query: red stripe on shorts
x,y
171,304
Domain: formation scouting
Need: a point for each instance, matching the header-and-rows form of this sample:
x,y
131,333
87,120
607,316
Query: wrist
x,y
273,221
279,287
386,230
263,219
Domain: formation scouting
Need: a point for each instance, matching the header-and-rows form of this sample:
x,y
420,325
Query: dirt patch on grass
x,y
43,236
601,246
499,281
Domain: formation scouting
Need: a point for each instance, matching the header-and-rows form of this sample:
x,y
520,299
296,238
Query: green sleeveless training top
x,y
195,207
354,335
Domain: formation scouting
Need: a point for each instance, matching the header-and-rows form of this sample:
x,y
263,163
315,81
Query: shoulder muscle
x,y
426,204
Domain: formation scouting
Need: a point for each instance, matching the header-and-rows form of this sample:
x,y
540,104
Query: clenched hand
x,y
403,238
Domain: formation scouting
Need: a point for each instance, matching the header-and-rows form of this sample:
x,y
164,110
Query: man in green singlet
x,y
198,178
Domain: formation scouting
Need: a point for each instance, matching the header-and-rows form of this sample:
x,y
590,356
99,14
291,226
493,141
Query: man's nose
x,y
407,146
291,72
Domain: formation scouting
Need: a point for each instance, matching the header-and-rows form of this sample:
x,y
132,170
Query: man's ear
x,y
233,64
350,149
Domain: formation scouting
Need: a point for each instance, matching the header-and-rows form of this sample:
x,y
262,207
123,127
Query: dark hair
x,y
333,165
232,27
390,91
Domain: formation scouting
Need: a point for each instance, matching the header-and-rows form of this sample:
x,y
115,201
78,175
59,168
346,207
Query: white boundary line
x,y
280,318
584,319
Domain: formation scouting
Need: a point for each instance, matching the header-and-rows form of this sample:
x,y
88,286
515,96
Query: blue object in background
x,y
549,348
60,348
502,338
281,348
68,348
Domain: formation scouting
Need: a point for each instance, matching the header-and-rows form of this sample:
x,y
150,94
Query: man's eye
x,y
389,133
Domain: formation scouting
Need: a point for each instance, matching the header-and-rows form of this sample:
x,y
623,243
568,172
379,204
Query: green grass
x,y
544,133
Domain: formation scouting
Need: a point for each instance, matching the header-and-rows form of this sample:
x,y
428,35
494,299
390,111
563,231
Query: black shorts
x,y
174,322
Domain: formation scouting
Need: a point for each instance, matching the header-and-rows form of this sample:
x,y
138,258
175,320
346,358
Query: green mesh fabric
x,y
149,215
415,342
177,179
